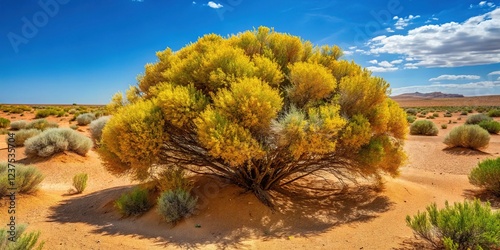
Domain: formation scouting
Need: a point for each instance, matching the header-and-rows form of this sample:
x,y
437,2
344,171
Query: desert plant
x,y
263,109
493,127
423,127
494,113
464,113
4,122
42,113
74,127
411,118
444,126
96,127
85,119
27,178
18,125
134,202
477,118
21,240
467,136
41,124
80,182
467,225
171,178
22,135
448,115
56,140
487,175
435,115
411,111
176,204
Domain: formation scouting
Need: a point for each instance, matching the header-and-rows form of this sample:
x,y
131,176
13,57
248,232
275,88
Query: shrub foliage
x,y
176,204
493,127
27,178
423,127
22,240
80,182
487,175
57,140
41,124
259,108
18,125
4,122
96,127
468,136
477,118
85,119
467,225
134,202
22,135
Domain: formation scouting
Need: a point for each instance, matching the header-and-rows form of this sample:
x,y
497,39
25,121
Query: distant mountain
x,y
428,95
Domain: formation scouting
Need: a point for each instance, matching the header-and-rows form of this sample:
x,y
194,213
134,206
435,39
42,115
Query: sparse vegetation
x,y
172,178
134,202
494,113
22,135
411,118
57,140
18,125
22,240
487,175
80,182
27,178
493,127
467,225
477,118
42,113
468,136
85,119
175,205
444,126
4,122
96,127
423,127
41,124
412,111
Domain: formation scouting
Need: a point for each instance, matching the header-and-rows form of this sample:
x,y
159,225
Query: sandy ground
x,y
363,217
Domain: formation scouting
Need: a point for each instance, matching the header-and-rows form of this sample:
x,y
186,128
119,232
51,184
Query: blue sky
x,y
84,51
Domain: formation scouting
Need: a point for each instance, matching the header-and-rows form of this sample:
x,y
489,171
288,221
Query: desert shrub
x,y
430,117
74,127
134,202
477,118
17,125
448,115
444,126
22,135
72,111
85,119
4,131
96,127
42,113
423,127
41,124
487,175
421,116
80,182
464,113
22,240
494,113
435,115
172,178
411,111
411,118
467,225
176,204
468,136
459,118
493,127
27,178
57,140
4,122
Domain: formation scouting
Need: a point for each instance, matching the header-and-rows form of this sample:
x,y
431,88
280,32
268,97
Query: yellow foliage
x,y
226,140
310,82
154,72
116,103
180,104
267,70
397,124
357,133
360,94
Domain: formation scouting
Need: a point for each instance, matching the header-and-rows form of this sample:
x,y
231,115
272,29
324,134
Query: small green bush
x,y
412,111
85,119
464,113
173,178
435,115
134,202
468,136
22,135
22,241
96,127
494,113
477,118
42,113
80,182
411,118
448,115
57,140
18,125
4,122
176,204
467,225
444,126
27,178
487,175
423,127
74,127
41,124
493,127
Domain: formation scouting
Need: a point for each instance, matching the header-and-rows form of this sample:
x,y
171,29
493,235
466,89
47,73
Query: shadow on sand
x,y
464,151
226,217
484,196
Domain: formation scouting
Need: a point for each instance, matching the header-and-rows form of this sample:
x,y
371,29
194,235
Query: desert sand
x,y
362,217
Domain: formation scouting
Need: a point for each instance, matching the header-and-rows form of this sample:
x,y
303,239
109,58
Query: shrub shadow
x,y
464,151
483,195
226,216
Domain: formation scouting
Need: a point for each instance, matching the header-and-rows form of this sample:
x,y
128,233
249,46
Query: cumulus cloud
x,y
455,77
482,4
402,22
494,73
472,88
214,5
473,42
389,30
383,66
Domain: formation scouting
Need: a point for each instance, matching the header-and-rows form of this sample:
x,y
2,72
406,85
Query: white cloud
x,y
455,77
494,73
383,66
140,1
473,42
396,61
194,2
373,61
482,4
214,5
389,30
472,88
402,22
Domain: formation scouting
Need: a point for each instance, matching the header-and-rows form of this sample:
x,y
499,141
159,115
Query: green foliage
x,y
42,113
494,113
171,178
17,125
435,115
467,136
423,127
23,240
27,178
134,202
467,225
96,128
444,126
176,204
464,113
493,127
477,118
4,122
85,119
74,127
411,118
80,182
22,135
41,124
412,111
487,175
56,140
